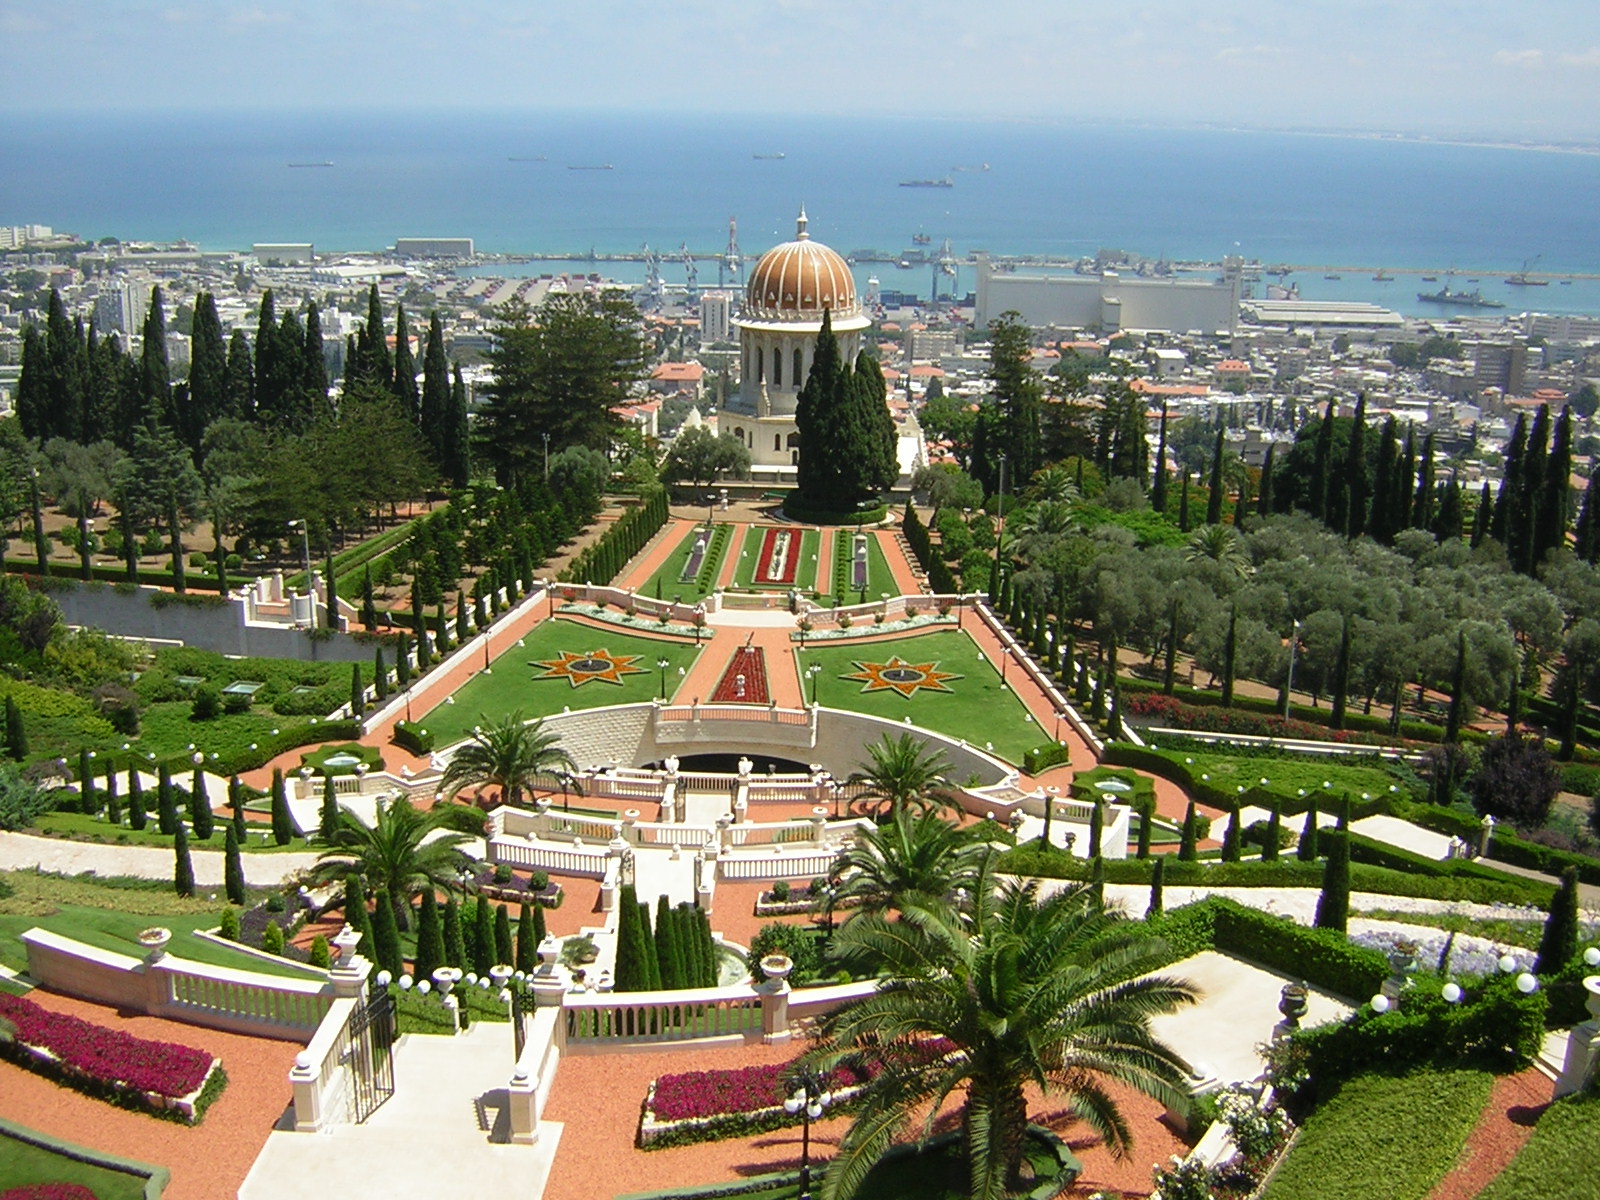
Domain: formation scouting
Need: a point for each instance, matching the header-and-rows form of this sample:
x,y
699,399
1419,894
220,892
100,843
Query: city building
x,y
121,308
424,247
287,253
716,317
1111,302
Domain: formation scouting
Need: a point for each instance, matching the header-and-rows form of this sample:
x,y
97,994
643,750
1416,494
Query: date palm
x,y
1052,993
402,852
909,860
510,754
901,771
1222,545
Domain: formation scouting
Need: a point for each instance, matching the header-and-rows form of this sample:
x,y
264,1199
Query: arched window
x,y
796,375
777,441
777,367
760,364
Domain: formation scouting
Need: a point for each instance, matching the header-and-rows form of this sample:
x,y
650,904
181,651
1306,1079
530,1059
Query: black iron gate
x,y
370,1057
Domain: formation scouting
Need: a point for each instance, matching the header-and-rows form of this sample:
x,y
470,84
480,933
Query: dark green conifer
x,y
455,944
232,867
386,937
483,941
430,938
1354,485
113,802
357,917
435,398
1480,518
1228,653
405,368
282,820
358,693
166,803
1322,466
88,802
1189,846
16,732
236,805
504,950
527,960
314,364
1333,905
1230,837
1309,835
1158,874
1183,503
1558,943
1217,490
183,868
137,817
328,818
200,816
1341,678
456,465
1269,852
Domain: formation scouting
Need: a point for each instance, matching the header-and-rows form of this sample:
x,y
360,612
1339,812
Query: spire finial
x,y
800,233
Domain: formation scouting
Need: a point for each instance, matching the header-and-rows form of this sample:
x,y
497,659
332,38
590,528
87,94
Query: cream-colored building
x,y
788,291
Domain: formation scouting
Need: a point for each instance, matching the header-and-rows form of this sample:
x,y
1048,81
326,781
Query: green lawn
x,y
516,683
666,582
977,706
1393,1136
23,1163
879,577
805,574
112,917
97,829
1287,777
1558,1161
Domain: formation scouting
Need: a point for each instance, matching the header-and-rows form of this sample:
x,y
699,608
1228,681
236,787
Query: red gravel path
x,y
1504,1126
208,1161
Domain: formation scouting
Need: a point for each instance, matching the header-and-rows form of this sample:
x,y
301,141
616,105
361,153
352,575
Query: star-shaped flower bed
x,y
590,667
898,675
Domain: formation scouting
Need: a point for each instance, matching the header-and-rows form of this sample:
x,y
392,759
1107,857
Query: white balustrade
x,y
662,1016
587,864
775,866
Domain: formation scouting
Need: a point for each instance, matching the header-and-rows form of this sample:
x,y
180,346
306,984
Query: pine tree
x,y
1333,905
527,956
405,368
232,867
1189,846
430,938
1309,835
183,868
137,817
16,732
200,807
1230,837
483,943
282,821
455,943
386,937
1158,874
166,803
1341,678
1558,944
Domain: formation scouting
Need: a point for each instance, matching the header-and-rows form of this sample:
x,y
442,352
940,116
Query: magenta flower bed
x,y
697,1094
107,1055
48,1191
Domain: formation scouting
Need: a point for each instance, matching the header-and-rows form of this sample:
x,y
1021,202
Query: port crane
x,y
692,272
731,267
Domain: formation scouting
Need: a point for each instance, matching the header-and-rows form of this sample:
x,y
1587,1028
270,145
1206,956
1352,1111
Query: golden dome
x,y
798,280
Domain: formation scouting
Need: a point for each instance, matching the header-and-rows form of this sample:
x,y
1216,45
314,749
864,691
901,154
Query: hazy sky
x,y
1528,68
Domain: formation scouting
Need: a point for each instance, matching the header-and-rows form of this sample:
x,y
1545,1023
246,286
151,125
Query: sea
x,y
587,183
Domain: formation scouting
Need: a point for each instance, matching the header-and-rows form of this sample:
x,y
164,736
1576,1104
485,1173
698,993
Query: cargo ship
x,y
928,183
1472,299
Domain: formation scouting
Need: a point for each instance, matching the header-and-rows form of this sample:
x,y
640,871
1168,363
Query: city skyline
x,y
1438,67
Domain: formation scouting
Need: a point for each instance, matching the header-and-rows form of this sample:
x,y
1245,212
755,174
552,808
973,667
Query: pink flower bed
x,y
106,1055
48,1191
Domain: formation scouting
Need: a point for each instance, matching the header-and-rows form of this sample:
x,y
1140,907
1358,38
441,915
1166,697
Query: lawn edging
x,y
155,1177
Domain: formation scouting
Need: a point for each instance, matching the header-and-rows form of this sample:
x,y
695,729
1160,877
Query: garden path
x,y
23,851
905,579
1503,1128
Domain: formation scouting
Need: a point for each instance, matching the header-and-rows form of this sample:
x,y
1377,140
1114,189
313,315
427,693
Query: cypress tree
x,y
16,732
330,613
539,931
1531,482
441,630
136,810
405,368
1333,905
1183,503
380,675
1264,498
527,958
1158,874
155,376
402,662
1097,821
200,807
1189,846
456,467
455,945
1447,520
1147,818
328,818
1480,519
369,607
282,822
166,803
232,867
669,955
386,937
1422,506
1550,527
1344,813
208,372
113,804
1230,837
461,617
182,868
357,917
1214,500
376,366
1169,680
1355,473
629,974
1228,651
88,805
1502,528
1309,835
1558,944
1269,852
358,693
1452,726
236,803
430,938
1341,678
651,969
483,941
1587,532
1158,487
1380,516
504,950
239,384
708,948
435,399
314,363
1097,882
419,626
1322,465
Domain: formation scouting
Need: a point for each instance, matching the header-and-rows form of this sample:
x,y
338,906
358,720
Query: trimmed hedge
x,y
155,1177
1042,758
409,735
798,510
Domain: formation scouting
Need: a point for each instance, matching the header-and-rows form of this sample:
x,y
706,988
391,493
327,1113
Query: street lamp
x,y
662,665
812,672
305,546
810,1099
1288,686
1000,538
546,437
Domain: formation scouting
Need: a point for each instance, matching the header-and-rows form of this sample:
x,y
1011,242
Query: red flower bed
x,y
769,543
750,662
48,1191
1173,713
106,1055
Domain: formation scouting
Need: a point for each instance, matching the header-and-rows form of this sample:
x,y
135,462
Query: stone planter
x,y
155,940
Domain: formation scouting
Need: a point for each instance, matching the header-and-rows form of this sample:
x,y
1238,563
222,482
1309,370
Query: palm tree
x,y
403,852
1053,483
1051,992
1220,544
1043,525
901,772
509,754
910,860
